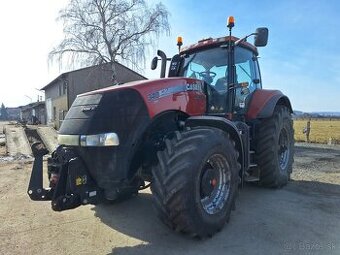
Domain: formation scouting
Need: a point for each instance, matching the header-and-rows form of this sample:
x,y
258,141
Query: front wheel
x,y
196,181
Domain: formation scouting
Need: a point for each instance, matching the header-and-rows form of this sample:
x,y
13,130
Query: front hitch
x,y
70,183
35,188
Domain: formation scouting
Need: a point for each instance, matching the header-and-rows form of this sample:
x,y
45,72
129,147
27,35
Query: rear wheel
x,y
275,148
196,181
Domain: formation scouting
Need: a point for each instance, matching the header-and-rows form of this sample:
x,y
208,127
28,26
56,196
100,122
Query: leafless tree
x,y
106,31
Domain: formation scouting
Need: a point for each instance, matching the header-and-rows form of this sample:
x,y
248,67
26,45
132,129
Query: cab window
x,y
246,69
247,77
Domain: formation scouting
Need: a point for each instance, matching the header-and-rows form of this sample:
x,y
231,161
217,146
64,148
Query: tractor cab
x,y
211,66
227,65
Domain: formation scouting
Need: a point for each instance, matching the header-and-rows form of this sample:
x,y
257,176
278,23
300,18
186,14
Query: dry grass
x,y
322,130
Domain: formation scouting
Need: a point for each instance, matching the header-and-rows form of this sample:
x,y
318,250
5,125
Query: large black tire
x,y
183,176
275,148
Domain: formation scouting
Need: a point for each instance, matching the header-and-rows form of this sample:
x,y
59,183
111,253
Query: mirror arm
x,y
244,38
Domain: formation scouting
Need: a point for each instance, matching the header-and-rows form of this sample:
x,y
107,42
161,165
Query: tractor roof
x,y
210,42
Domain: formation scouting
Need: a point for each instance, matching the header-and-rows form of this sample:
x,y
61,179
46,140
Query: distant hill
x,y
300,114
334,114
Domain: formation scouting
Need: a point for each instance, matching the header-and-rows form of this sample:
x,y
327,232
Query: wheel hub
x,y
283,150
208,182
215,184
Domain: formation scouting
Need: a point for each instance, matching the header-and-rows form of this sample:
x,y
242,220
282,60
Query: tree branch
x,y
100,31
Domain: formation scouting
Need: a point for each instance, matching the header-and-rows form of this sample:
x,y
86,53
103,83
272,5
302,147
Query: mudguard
x,y
238,132
263,102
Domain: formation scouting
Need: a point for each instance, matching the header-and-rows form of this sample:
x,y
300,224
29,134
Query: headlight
x,y
71,140
107,139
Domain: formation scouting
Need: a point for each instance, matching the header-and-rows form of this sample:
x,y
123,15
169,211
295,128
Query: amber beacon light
x,y
231,21
179,42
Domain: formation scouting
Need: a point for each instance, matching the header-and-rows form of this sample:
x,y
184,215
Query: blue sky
x,y
301,58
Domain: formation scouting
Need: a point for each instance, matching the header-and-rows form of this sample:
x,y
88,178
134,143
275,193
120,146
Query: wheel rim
x,y
283,150
215,184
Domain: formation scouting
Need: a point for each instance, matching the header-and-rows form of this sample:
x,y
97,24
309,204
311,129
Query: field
x,y
322,130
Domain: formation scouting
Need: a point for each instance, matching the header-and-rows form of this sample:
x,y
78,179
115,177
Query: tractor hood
x,y
150,86
175,93
122,108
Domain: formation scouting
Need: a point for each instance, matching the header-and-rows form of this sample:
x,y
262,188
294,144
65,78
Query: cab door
x,y
247,78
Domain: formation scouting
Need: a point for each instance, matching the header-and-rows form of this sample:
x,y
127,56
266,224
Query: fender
x,y
263,102
225,125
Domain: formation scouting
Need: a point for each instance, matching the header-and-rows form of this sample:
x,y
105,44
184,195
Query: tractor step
x,y
253,175
251,178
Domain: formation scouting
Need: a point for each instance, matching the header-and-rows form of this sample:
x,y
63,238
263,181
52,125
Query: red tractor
x,y
195,137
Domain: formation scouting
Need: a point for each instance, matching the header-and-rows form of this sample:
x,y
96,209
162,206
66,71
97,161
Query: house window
x,y
62,115
62,88
54,113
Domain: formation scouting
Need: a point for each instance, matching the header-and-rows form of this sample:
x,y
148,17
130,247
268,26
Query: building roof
x,y
31,105
82,69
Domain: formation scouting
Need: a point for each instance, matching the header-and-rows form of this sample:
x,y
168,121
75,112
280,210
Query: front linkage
x,y
70,183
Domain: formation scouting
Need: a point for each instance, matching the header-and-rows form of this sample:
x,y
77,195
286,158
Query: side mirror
x,y
261,37
154,63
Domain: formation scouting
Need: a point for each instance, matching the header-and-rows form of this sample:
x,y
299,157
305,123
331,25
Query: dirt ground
x,y
301,218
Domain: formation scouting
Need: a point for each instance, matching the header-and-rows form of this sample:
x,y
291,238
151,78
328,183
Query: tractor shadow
x,y
261,222
137,218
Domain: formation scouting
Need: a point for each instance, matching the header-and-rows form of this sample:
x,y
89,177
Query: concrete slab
x,y
49,136
16,141
2,139
2,125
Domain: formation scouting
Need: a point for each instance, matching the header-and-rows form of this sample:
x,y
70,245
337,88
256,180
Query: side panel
x,y
180,94
263,102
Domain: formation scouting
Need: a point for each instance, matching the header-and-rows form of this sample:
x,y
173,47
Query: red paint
x,y
259,100
191,102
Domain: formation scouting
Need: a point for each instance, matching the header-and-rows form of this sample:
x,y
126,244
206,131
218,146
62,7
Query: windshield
x,y
212,66
209,65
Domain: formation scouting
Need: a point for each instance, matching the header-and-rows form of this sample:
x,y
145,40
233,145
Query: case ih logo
x,y
154,96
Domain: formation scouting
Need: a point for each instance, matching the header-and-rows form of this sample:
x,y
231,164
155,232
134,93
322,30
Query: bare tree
x,y
106,31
